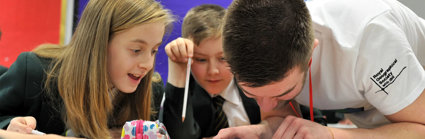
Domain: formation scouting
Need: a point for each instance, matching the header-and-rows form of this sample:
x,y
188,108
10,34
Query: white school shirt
x,y
368,60
233,106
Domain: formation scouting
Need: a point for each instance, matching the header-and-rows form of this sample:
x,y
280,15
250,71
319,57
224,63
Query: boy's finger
x,y
182,50
169,53
174,50
181,47
189,47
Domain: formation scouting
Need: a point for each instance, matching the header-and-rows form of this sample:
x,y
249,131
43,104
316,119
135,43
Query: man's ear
x,y
316,42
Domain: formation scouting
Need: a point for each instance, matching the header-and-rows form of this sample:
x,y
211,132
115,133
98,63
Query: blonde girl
x,y
97,82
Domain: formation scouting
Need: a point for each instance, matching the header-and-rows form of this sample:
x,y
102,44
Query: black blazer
x,y
2,69
22,94
199,112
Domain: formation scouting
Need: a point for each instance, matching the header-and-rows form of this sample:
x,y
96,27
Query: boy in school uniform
x,y
214,100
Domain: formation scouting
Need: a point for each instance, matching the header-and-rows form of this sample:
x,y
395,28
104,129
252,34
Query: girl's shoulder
x,y
32,63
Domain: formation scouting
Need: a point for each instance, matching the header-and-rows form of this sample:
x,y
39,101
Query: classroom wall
x,y
25,24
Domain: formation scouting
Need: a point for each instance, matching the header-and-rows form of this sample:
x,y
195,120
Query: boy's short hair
x,y
264,39
202,22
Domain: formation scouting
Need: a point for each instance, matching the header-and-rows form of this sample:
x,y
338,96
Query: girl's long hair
x,y
79,70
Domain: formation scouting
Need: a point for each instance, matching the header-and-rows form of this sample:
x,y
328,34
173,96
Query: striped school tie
x,y
221,119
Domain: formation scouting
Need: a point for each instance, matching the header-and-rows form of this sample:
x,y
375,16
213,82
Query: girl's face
x,y
209,68
131,55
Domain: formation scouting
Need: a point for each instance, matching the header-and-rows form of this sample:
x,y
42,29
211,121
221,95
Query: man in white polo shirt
x,y
366,57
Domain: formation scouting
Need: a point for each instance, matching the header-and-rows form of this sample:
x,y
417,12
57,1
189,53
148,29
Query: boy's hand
x,y
179,50
22,124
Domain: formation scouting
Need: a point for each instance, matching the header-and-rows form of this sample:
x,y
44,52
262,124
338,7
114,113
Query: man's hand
x,y
298,128
245,132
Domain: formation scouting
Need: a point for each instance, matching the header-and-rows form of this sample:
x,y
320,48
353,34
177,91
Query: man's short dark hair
x,y
264,39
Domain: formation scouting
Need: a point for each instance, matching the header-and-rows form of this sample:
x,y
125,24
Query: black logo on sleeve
x,y
384,78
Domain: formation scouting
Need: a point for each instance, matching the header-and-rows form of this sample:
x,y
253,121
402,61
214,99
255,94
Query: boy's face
x,y
209,68
131,55
270,95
